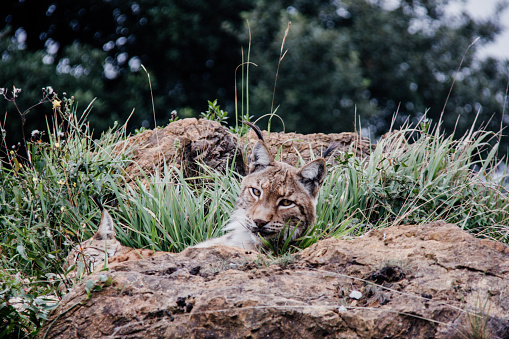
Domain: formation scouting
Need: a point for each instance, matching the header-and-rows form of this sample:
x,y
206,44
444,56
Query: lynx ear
x,y
106,227
260,158
312,175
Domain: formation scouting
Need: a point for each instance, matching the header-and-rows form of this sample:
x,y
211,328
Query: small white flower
x,y
62,209
15,91
35,132
57,145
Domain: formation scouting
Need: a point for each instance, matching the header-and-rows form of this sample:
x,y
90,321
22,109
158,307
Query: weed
x,y
215,113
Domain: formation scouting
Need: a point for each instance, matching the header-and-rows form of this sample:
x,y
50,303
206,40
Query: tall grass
x,y
48,193
415,176
167,212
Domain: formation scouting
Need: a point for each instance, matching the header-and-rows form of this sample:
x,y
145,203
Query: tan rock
x,y
293,146
429,281
183,143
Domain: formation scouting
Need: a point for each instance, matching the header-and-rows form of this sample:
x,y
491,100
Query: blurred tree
x,y
369,58
95,48
372,59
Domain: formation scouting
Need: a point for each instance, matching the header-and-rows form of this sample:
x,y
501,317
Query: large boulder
x,y
428,281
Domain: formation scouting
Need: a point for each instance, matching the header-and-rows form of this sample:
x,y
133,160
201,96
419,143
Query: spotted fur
x,y
276,200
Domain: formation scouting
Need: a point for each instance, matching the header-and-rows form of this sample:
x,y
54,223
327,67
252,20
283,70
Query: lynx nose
x,y
260,223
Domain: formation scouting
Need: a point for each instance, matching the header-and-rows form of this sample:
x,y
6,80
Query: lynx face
x,y
277,197
276,201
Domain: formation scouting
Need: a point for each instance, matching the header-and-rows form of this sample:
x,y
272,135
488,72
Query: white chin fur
x,y
237,221
238,235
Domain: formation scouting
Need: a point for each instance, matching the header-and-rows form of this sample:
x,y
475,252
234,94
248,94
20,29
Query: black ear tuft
x,y
330,149
260,158
255,129
312,176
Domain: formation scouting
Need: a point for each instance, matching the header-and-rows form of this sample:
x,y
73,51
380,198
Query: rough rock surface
x,y
292,146
188,142
428,281
185,143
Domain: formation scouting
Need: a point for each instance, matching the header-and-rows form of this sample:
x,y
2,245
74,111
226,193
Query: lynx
x,y
276,200
91,253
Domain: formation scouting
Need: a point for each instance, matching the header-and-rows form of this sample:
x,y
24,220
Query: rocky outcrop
x,y
428,281
293,146
190,142
186,144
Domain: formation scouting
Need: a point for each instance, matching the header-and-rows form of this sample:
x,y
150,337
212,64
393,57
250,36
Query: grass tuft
x,y
416,176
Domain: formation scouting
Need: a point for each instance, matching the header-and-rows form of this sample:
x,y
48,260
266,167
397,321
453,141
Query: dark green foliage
x,y
190,49
345,58
358,57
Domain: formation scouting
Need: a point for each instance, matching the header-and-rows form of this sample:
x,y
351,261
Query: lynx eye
x,y
255,192
286,203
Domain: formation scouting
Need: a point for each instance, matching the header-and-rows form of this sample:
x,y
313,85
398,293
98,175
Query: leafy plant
x,y
23,306
215,113
54,188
